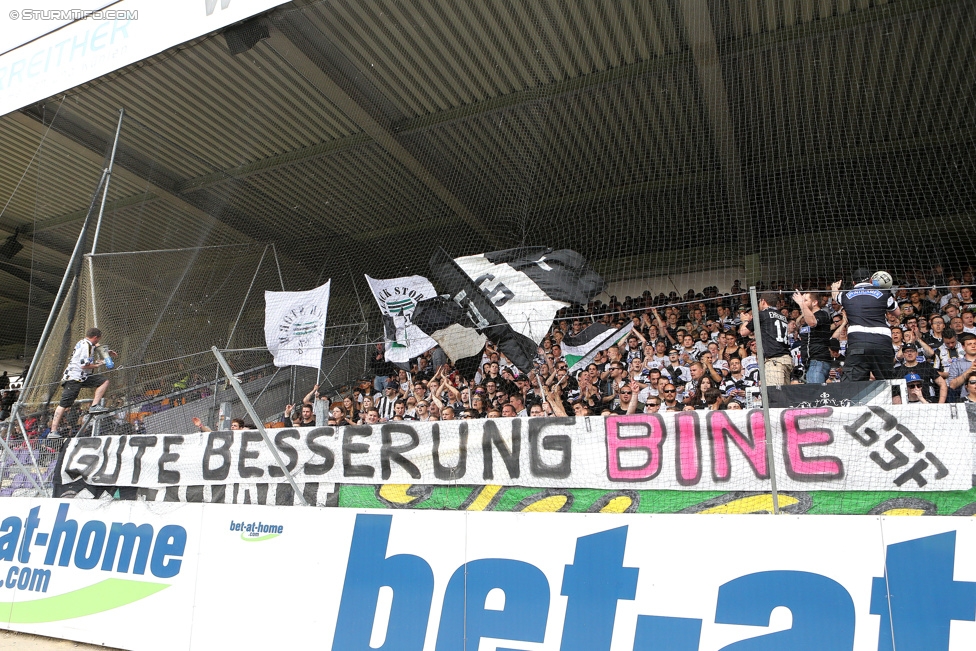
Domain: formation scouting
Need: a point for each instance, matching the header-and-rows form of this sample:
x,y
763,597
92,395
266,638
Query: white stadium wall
x,y
681,283
144,576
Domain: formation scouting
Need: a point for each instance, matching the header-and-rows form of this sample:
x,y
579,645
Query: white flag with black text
x,y
397,299
294,325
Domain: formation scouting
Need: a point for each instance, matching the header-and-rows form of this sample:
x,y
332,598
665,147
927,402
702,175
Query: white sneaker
x,y
98,409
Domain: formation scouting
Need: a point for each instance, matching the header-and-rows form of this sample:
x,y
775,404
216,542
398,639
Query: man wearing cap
x,y
869,348
774,330
387,402
916,394
927,375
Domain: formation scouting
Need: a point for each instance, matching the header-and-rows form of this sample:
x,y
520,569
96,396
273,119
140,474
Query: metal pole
x,y
257,422
767,423
238,319
101,212
281,278
55,308
57,299
108,170
91,286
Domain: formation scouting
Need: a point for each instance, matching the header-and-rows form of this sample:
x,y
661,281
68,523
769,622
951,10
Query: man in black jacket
x,y
869,348
815,332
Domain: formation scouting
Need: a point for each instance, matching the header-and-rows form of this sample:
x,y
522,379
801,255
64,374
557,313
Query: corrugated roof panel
x,y
441,55
176,94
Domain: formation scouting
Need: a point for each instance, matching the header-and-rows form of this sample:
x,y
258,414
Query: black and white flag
x,y
509,296
397,299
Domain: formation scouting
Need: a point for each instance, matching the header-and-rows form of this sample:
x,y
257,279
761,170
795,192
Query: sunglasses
x,y
971,382
654,404
916,385
627,393
670,391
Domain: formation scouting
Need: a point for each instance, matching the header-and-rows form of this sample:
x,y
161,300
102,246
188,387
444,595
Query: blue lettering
x,y
8,541
34,63
594,582
60,47
129,534
170,541
671,633
823,611
918,598
29,526
465,619
369,569
118,27
16,68
90,543
11,577
75,45
68,529
96,36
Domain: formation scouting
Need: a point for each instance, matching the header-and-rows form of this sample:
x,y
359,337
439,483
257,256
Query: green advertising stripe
x,y
97,598
671,501
260,538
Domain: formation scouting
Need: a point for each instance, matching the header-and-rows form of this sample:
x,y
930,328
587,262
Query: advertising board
x,y
203,576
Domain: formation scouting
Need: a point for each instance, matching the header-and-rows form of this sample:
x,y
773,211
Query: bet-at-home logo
x,y
300,328
400,300
38,551
257,531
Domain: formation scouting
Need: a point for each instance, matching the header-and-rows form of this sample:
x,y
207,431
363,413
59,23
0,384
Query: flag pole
x,y
236,385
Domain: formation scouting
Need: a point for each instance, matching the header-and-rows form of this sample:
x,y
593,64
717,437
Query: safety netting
x,y
684,151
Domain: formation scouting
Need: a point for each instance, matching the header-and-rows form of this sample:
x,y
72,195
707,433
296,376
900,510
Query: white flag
x,y
294,325
397,299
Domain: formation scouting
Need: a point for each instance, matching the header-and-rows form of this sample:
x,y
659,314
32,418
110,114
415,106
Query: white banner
x,y
397,298
294,325
71,46
172,577
904,448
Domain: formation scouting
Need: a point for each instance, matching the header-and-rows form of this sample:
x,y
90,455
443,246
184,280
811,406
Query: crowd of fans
x,y
683,353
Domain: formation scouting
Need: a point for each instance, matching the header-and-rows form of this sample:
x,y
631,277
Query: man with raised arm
x,y
774,330
77,376
815,332
869,347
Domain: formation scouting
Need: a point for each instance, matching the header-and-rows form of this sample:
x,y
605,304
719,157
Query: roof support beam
x,y
291,52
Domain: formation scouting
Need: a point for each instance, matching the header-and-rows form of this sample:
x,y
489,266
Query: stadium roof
x,y
647,135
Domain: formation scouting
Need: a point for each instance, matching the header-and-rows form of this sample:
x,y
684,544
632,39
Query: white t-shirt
x,y
83,355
